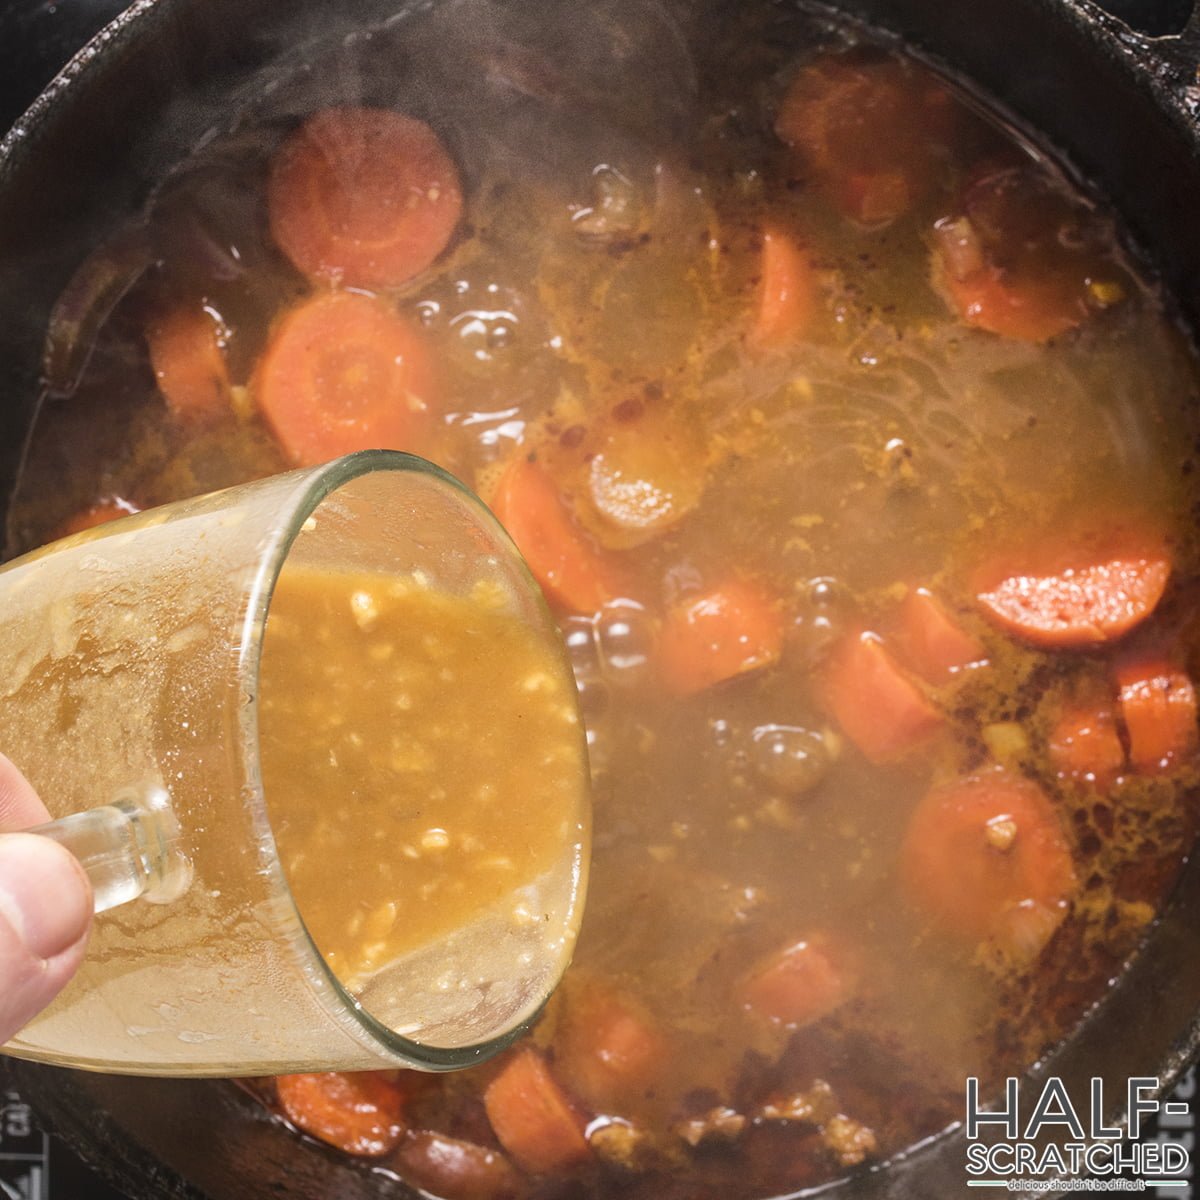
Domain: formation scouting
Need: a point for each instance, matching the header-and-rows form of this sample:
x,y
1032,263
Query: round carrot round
x,y
363,196
986,857
343,372
1028,311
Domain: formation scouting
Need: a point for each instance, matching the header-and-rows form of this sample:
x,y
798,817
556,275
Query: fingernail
x,y
44,894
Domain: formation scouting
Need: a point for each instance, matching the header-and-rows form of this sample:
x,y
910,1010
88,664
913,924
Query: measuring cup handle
x,y
130,848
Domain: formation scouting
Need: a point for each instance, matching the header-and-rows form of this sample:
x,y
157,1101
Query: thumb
x,y
45,912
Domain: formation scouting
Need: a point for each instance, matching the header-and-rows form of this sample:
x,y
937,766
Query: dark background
x,y
36,39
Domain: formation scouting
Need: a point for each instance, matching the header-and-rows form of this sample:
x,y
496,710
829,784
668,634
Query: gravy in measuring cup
x,y
421,764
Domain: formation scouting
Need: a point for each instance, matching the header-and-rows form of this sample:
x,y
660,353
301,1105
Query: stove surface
x,y
36,1166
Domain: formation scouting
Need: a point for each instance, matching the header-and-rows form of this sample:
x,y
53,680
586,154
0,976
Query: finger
x,y
20,806
45,912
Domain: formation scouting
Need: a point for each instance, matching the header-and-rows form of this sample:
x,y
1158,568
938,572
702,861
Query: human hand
x,y
45,907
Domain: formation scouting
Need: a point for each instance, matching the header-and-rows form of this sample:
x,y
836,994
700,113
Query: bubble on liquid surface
x,y
624,637
485,333
788,758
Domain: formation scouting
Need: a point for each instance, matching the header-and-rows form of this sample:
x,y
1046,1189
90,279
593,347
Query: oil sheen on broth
x,y
419,753
798,377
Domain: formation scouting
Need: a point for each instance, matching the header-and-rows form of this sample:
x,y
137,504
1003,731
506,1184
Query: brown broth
x,y
418,743
595,313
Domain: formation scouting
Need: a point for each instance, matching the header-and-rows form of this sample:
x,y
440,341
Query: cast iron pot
x,y
1121,106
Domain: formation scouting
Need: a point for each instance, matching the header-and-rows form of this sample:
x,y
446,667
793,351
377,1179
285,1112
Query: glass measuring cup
x,y
130,660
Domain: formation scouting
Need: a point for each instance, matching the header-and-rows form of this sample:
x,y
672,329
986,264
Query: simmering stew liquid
x,y
856,454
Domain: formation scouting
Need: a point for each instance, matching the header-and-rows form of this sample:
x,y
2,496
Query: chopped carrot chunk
x,y
189,363
571,569
787,295
1029,312
1086,746
1158,707
719,635
986,857
934,644
611,1047
797,985
360,1113
878,707
876,197
532,1116
1020,258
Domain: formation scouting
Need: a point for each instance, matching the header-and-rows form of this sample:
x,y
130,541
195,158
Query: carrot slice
x,y
869,129
876,197
532,1116
1081,598
986,857
878,707
1030,311
1086,746
363,196
934,644
572,571
342,372
360,1113
99,513
1021,258
611,1047
1158,707
797,985
787,296
724,633
644,477
189,363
